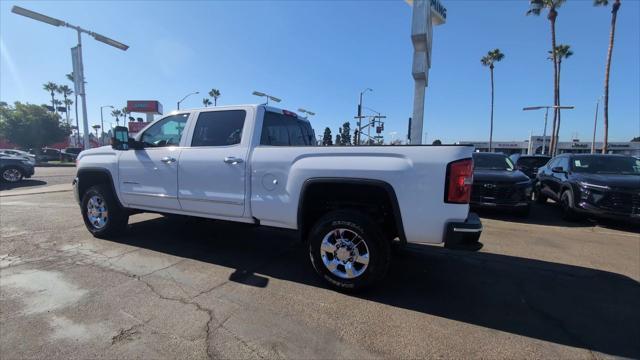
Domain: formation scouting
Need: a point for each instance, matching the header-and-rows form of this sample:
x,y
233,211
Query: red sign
x,y
144,106
135,126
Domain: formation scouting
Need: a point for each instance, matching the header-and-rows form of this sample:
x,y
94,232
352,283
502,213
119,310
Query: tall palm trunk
x,y
215,101
77,122
491,125
614,16
53,102
552,19
557,133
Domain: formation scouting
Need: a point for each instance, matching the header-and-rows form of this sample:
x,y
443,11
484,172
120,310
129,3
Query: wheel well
x,y
89,178
376,199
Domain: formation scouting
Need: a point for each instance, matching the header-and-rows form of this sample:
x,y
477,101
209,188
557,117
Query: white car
x,y
258,164
21,154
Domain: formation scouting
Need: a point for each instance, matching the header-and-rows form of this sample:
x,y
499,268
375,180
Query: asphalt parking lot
x,y
176,288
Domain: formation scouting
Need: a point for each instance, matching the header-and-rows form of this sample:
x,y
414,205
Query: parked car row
x,y
14,168
43,155
582,184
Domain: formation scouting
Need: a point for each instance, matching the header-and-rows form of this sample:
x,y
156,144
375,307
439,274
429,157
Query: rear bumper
x,y
464,235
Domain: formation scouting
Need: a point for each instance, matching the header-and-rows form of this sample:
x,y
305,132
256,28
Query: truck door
x,y
212,167
148,177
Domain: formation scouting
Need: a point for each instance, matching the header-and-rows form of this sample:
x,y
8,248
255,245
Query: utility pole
x,y
359,117
76,54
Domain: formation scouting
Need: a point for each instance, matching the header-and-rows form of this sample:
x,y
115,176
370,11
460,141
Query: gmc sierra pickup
x,y
258,164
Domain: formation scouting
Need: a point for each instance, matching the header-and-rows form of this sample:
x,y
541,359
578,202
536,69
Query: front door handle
x,y
168,160
232,160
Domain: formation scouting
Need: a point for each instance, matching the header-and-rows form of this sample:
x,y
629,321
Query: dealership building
x,y
535,144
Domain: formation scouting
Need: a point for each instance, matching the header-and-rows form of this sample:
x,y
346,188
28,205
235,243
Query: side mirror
x,y
120,140
557,169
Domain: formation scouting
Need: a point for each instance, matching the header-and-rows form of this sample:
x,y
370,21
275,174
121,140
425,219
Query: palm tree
x,y
562,52
125,114
206,102
116,114
96,128
52,88
612,32
70,78
215,94
65,91
56,104
489,60
536,7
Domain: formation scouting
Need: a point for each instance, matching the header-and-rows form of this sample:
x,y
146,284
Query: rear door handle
x,y
168,160
232,160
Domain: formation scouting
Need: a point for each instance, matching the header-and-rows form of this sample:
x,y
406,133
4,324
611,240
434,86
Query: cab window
x,y
166,132
285,130
219,128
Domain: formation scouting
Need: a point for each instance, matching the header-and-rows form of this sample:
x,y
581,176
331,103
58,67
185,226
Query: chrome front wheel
x,y
97,212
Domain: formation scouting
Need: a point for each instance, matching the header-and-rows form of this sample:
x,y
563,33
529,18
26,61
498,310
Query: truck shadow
x,y
559,303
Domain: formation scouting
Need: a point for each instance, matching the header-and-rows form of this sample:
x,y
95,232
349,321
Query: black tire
x,y
116,218
11,174
539,197
567,205
376,246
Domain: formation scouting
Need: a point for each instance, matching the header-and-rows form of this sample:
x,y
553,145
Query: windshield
x,y
595,164
492,162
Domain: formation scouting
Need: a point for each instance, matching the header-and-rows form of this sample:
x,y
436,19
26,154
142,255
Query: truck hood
x,y
97,151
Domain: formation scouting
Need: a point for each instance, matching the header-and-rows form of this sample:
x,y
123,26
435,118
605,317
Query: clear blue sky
x,y
319,55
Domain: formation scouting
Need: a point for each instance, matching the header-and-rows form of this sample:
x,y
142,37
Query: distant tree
x,y
612,32
535,8
345,135
215,94
355,136
326,138
31,126
436,142
116,113
338,140
489,60
206,102
96,128
636,139
52,88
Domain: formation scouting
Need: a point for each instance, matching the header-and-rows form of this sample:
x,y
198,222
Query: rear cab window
x,y
282,129
219,128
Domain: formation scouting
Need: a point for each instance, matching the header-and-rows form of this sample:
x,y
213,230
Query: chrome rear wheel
x,y
344,253
11,175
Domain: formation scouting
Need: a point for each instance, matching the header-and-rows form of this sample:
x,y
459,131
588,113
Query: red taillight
x,y
459,180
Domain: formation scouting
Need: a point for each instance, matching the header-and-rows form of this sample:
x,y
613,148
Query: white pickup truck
x,y
258,164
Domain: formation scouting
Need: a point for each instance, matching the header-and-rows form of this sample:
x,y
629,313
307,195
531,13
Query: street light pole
x,y
544,135
360,115
261,94
102,123
79,77
186,96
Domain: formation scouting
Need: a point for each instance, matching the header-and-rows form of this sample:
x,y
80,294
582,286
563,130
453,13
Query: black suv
x,y
497,184
529,164
70,154
597,185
